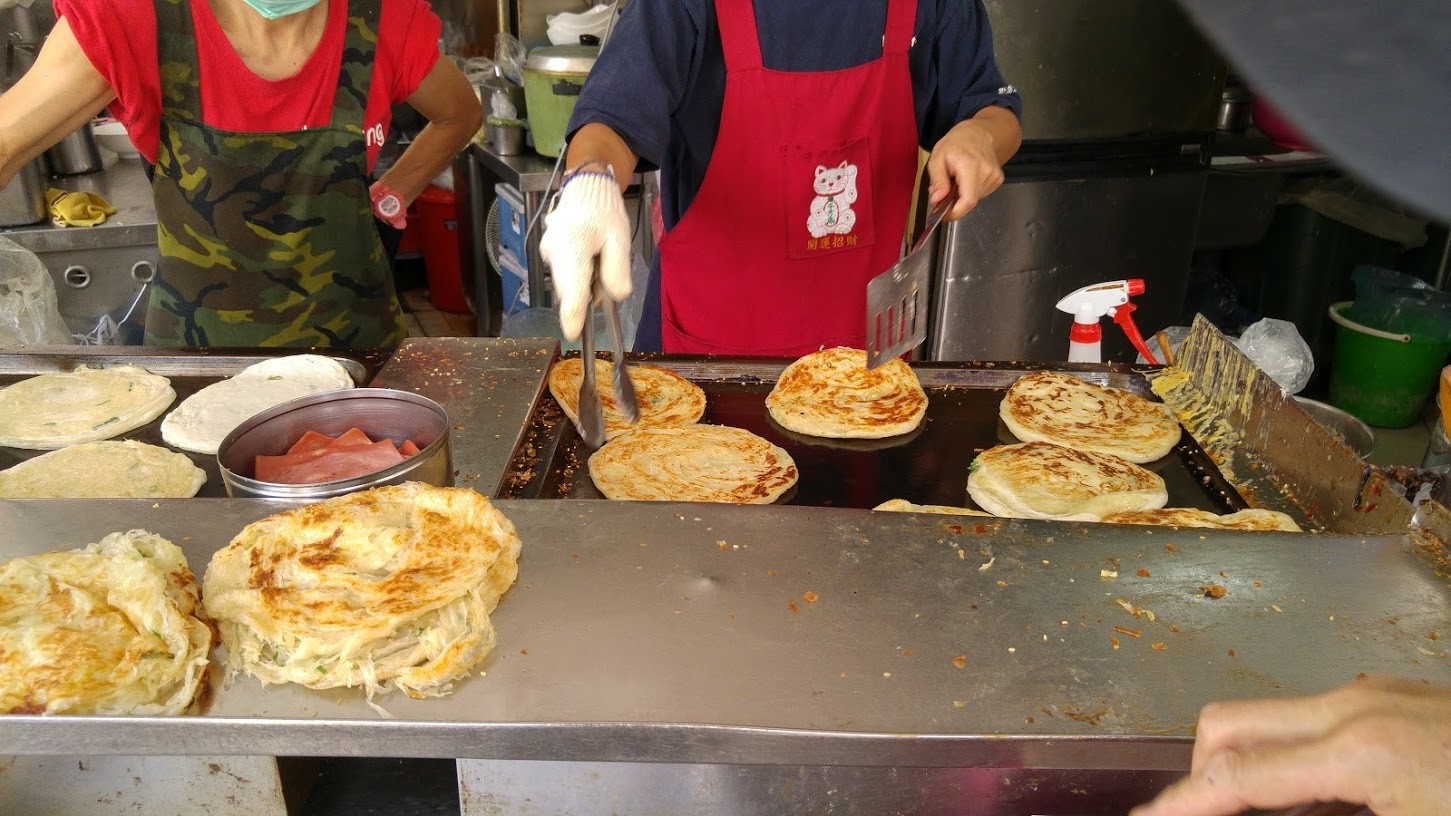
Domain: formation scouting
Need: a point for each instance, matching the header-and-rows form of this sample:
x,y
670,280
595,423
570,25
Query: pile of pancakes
x,y
389,588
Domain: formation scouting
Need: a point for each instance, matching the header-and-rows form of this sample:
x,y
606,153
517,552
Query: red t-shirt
x,y
119,38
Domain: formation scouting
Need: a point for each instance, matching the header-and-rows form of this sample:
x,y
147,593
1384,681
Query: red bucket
x,y
438,232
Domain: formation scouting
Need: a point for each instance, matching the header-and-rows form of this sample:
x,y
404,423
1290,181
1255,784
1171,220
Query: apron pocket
x,y
828,196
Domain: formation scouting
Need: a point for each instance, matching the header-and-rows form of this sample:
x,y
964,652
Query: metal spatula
x,y
897,300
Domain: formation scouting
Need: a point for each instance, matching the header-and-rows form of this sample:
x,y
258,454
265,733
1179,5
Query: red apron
x,y
804,200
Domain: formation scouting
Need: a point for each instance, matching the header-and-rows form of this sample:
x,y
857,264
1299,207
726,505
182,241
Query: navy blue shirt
x,y
660,81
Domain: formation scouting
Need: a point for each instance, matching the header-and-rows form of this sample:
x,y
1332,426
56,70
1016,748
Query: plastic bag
x,y
509,55
29,311
1279,350
1274,345
1399,303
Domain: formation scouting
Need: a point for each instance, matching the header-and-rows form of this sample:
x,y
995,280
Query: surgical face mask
x,y
273,9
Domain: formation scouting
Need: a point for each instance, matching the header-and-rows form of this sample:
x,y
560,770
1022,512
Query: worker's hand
x,y
588,220
964,159
1377,742
388,205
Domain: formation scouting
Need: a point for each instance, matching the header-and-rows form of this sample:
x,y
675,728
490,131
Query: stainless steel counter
x,y
687,633
101,271
124,185
487,385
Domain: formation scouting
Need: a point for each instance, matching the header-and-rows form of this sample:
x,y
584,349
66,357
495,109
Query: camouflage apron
x,y
267,239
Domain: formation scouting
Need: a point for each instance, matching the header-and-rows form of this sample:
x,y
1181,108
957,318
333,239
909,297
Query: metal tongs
x,y
591,408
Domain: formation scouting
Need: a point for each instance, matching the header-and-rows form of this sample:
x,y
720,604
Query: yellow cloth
x,y
73,209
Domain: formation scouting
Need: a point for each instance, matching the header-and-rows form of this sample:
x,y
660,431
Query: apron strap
x,y
176,49
901,20
350,103
738,35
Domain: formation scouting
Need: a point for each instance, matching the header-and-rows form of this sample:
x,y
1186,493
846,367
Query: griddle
x,y
926,466
189,370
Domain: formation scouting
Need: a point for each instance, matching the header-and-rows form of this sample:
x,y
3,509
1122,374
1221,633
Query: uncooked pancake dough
x,y
104,470
203,420
52,411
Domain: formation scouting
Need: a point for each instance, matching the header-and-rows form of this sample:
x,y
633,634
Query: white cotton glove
x,y
588,220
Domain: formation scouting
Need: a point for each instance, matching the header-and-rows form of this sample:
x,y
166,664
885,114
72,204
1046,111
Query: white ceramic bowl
x,y
112,136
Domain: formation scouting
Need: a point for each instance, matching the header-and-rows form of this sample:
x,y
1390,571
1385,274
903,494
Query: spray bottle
x,y
1088,305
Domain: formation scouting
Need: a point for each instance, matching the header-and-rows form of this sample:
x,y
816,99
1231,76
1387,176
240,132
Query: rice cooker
x,y
553,78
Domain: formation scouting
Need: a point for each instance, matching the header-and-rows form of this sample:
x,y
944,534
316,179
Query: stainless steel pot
x,y
22,201
75,154
378,412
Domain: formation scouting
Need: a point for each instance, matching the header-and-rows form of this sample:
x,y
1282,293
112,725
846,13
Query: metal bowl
x,y
378,412
1351,430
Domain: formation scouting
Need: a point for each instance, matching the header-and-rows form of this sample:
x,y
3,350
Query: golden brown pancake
x,y
706,463
665,398
904,506
831,393
111,628
385,588
1260,520
1044,481
1046,406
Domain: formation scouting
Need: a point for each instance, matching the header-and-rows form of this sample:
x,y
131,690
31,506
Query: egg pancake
x,y
706,463
55,410
1261,520
665,398
1049,407
111,628
831,393
385,588
104,470
1044,481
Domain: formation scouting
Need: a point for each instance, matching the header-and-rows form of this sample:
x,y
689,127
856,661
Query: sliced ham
x,y
317,458
312,440
353,437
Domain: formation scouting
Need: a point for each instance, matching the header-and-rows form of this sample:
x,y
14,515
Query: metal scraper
x,y
897,300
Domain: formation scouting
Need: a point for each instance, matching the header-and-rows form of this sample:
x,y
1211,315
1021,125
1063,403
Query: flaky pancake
x,y
104,470
111,628
665,398
1259,520
1045,481
831,393
55,410
706,463
385,588
1049,407
904,506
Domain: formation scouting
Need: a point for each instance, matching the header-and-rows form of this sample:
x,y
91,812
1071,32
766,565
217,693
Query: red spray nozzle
x,y
1136,286
1123,316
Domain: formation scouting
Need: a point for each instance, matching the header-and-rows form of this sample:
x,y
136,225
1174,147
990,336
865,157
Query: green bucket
x,y
1382,377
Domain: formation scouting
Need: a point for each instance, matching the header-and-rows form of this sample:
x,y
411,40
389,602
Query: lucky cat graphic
x,y
831,212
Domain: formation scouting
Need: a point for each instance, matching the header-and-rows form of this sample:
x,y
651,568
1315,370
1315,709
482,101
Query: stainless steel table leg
x,y
533,203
